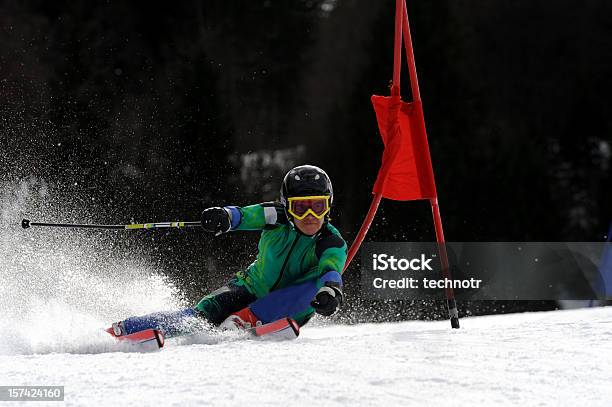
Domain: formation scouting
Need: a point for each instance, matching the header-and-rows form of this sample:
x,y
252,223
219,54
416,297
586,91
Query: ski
x,y
145,337
281,329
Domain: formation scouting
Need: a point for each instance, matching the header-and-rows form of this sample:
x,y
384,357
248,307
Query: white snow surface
x,y
560,358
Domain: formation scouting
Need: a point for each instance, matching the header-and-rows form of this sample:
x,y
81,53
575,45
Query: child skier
x,y
297,271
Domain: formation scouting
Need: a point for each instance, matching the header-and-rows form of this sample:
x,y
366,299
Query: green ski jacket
x,y
286,256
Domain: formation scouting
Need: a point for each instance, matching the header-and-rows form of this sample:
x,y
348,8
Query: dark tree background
x,y
142,111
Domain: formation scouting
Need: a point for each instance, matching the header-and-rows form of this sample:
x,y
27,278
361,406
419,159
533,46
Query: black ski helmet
x,y
306,180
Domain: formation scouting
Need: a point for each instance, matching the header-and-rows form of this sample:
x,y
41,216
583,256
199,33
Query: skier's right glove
x,y
328,299
216,220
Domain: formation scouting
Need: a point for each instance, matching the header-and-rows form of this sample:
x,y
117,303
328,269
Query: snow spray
x,y
60,288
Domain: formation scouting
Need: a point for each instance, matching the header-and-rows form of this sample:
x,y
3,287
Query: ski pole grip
x,y
25,223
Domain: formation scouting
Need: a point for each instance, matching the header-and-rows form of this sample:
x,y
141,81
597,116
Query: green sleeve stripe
x,y
266,215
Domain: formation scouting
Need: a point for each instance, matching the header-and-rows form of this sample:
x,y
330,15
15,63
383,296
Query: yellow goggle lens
x,y
317,206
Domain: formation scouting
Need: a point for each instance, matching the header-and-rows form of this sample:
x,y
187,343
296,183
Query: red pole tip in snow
x,y
450,294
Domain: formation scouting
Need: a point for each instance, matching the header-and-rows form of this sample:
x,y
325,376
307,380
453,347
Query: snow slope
x,y
557,358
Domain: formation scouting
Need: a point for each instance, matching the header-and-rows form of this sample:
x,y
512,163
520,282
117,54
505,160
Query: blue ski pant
x,y
293,301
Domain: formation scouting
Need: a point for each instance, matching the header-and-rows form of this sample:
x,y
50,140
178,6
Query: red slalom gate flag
x,y
406,173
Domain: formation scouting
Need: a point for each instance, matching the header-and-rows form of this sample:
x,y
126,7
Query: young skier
x,y
297,271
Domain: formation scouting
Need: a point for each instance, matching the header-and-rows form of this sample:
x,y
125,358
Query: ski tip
x,y
159,337
294,325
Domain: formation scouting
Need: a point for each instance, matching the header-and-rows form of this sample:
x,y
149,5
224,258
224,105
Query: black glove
x,y
216,220
328,299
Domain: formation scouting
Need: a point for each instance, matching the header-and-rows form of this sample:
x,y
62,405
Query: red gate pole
x,y
450,294
397,47
435,208
365,226
414,80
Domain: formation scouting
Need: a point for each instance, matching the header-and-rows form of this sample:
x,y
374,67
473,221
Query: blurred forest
x,y
152,111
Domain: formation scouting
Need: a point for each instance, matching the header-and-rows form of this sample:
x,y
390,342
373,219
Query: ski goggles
x,y
301,206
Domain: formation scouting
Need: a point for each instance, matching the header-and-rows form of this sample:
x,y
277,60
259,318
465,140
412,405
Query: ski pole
x,y
25,223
